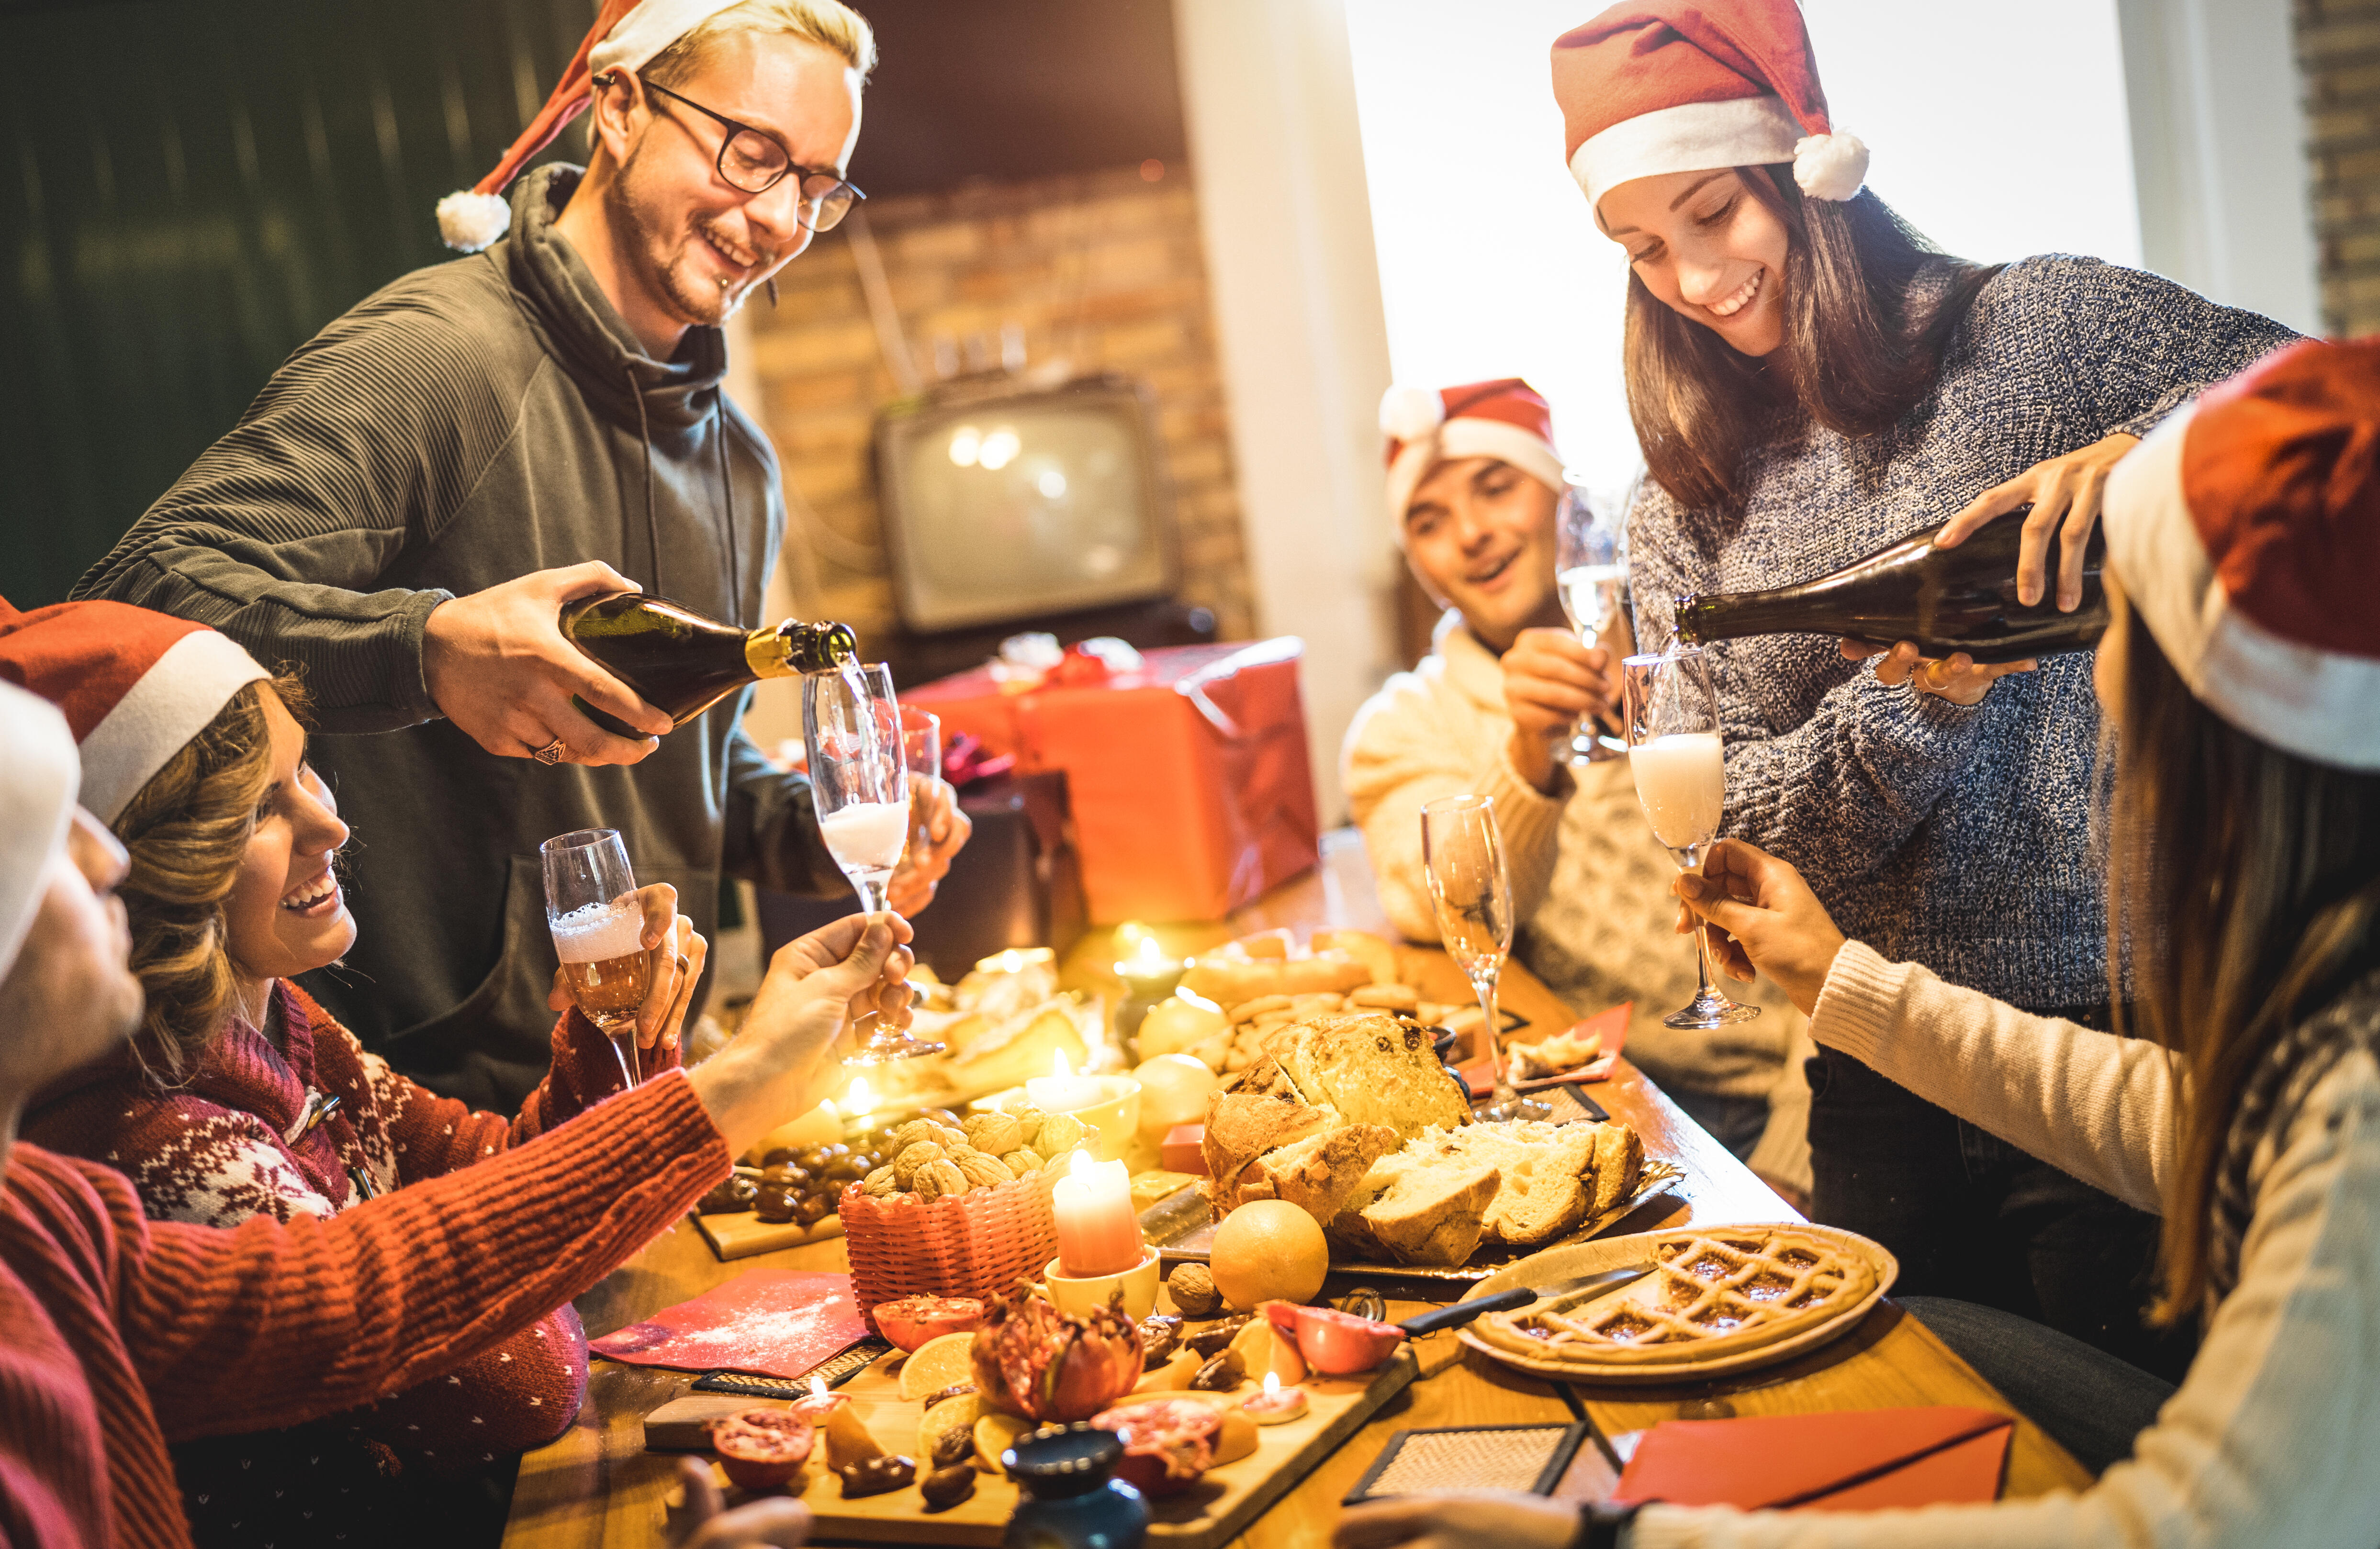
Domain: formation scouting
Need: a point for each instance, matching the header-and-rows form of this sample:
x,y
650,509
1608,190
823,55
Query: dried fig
x,y
945,1487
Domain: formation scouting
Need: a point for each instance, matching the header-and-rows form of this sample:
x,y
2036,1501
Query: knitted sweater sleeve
x,y
1407,747
2270,1438
434,1135
362,445
1873,759
268,1325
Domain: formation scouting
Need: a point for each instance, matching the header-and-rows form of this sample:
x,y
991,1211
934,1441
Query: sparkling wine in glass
x,y
921,750
1674,751
1463,854
1592,581
859,784
590,906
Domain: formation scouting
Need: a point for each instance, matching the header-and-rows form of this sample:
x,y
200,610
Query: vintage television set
x,y
1008,506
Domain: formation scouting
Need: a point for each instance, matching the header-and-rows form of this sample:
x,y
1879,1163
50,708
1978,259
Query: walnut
x,y
910,1158
948,1138
1028,1119
985,1172
877,1184
1061,1132
1022,1163
1193,1289
912,1132
997,1134
937,1179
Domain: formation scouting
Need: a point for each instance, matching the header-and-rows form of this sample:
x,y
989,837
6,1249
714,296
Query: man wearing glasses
x,y
417,490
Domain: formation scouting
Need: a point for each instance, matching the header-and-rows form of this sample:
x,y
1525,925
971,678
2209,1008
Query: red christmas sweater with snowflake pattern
x,y
214,1152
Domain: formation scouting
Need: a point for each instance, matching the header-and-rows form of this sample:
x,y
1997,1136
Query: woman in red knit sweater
x,y
123,1333
233,892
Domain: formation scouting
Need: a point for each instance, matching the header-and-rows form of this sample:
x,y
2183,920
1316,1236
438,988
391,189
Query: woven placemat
x,y
1525,1458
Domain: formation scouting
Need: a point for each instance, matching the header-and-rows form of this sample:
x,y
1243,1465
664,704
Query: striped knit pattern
x,y
1955,837
126,1333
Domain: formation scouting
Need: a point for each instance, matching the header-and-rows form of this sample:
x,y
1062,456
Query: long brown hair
x,y
2245,881
187,831
1859,351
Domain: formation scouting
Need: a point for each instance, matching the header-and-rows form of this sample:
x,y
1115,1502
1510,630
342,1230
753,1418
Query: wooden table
x,y
597,1486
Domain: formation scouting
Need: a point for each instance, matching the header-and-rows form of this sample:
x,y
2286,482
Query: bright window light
x,y
1991,145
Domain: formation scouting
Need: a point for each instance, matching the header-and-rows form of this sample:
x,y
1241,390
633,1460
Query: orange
x,y
939,1362
1267,1250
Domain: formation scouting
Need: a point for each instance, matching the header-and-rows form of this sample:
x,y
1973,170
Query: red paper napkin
x,y
1860,1460
1612,1025
778,1323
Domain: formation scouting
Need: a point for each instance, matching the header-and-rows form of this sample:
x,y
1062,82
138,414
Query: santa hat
x,y
1503,418
626,36
2246,530
135,686
1671,87
37,798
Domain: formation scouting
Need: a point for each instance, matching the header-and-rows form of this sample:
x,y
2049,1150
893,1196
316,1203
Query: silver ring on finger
x,y
683,966
551,753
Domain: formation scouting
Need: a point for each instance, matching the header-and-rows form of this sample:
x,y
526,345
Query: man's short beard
x,y
656,244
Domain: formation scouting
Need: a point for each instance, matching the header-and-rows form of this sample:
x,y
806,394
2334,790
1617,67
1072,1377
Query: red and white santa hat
x,y
627,34
136,686
1675,86
37,799
2246,530
1503,418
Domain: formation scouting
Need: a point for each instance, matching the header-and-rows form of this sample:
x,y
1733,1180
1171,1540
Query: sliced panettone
x,y
1619,1164
1321,1173
1432,1215
1243,1126
1372,1068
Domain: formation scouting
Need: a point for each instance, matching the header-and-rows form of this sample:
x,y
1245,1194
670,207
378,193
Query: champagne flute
x,y
859,784
1462,855
1680,769
921,750
1591,580
590,906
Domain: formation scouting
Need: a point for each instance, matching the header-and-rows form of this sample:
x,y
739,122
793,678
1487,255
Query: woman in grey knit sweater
x,y
1811,383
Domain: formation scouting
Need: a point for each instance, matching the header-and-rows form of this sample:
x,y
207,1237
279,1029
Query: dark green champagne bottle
x,y
1945,599
680,661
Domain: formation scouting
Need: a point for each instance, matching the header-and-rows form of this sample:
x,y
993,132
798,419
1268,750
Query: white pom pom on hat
x,y
468,220
1408,413
1830,166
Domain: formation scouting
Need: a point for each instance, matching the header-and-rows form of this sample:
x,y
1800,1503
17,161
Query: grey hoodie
x,y
470,423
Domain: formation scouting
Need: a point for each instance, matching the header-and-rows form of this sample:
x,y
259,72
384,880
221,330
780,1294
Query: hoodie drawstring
x,y
727,489
727,494
652,524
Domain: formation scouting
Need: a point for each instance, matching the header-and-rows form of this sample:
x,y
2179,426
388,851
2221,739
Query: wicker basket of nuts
x,y
950,1216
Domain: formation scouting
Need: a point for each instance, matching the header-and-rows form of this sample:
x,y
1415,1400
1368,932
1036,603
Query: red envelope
x,y
1612,1025
1859,1461
779,1323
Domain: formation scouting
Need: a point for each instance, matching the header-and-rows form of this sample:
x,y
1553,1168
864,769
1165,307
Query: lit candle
x,y
1062,1091
1275,1405
1148,973
820,1403
1099,1232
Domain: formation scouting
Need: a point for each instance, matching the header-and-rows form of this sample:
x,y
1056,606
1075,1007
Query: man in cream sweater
x,y
1473,484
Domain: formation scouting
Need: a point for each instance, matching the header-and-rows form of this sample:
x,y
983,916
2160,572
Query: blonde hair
x,y
828,23
187,831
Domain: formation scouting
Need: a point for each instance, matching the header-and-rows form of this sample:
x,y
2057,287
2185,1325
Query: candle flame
x,y
858,1094
1059,1067
1272,1383
818,1384
1081,1166
1148,953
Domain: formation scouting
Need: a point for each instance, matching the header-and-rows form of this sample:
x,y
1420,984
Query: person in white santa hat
x,y
1810,382
1474,484
404,508
2242,671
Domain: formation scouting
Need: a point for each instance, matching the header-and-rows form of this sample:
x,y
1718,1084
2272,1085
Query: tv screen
x,y
1012,504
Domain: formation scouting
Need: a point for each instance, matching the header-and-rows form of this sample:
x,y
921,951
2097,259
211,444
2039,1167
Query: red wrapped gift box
x,y
1190,784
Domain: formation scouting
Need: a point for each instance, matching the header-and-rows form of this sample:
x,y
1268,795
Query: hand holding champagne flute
x,y
1462,855
1674,751
624,975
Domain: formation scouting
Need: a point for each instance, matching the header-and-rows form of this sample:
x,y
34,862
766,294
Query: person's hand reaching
x,y
1958,677
1773,922
1458,1521
918,875
704,1522
1552,683
782,1060
678,952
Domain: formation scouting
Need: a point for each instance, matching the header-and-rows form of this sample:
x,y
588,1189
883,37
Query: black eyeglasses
x,y
754,160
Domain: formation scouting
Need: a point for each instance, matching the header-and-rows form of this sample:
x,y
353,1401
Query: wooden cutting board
x,y
742,1233
1207,1515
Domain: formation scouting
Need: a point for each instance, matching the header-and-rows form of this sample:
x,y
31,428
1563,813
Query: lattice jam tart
x,y
1712,1292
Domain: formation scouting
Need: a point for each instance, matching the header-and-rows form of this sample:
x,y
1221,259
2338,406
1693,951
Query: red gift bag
x,y
1188,775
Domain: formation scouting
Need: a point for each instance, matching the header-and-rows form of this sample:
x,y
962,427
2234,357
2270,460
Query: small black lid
x,y
1059,1460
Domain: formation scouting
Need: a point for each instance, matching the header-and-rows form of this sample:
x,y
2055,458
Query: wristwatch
x,y
1599,1525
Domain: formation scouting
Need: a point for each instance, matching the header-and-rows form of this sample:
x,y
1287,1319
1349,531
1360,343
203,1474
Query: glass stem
x,y
1499,1085
624,1047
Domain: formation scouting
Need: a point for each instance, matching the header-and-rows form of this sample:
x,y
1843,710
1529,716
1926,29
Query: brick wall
x,y
1101,271
2339,48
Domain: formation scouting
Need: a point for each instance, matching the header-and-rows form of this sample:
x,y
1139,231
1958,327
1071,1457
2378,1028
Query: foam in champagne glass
x,y
1682,780
867,835
598,933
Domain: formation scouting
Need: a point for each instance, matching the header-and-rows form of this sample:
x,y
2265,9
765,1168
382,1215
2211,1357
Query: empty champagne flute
x,y
590,906
1592,581
921,750
1675,753
1462,855
859,782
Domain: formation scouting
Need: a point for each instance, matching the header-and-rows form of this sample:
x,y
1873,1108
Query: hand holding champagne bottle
x,y
498,665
